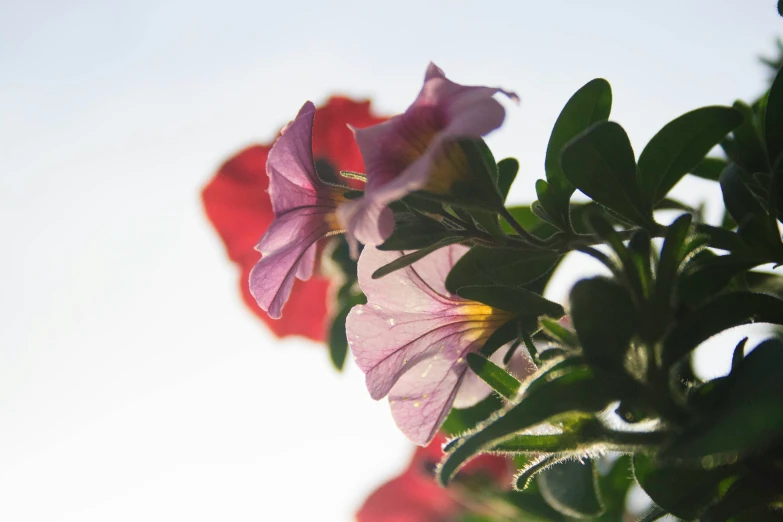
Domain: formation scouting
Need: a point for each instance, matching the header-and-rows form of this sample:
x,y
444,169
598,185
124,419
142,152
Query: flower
x,y
414,496
237,204
412,337
399,154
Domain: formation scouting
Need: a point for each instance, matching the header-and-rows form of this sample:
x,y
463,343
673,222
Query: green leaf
x,y
506,333
600,162
507,172
709,168
707,274
748,421
591,104
338,342
684,492
722,313
679,146
479,188
752,219
515,300
499,266
529,221
748,499
575,388
773,120
671,257
461,420
630,273
496,377
559,333
571,487
748,150
409,259
605,320
415,235
488,221
554,204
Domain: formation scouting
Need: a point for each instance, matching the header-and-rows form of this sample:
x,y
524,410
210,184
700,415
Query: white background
x,y
134,385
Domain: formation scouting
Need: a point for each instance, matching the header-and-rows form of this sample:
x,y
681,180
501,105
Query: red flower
x,y
414,496
238,206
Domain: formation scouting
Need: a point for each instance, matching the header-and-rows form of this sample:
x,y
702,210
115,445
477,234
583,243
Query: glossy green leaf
x,y
571,487
679,146
600,162
755,227
722,313
708,274
748,147
515,300
507,173
499,266
591,104
605,320
576,388
496,377
671,257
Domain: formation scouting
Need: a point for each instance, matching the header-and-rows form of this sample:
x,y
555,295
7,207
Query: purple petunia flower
x,y
305,211
399,153
412,337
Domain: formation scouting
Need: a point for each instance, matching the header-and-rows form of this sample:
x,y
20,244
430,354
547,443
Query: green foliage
x,y
615,374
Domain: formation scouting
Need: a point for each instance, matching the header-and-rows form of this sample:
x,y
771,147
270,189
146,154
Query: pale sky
x,y
134,385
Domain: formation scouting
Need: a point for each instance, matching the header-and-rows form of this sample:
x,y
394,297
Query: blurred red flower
x,y
414,496
238,206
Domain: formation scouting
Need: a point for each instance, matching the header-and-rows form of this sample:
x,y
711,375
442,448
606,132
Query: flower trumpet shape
x,y
304,208
401,154
238,205
412,337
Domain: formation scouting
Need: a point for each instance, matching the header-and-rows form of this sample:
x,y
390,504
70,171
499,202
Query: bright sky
x,y
133,383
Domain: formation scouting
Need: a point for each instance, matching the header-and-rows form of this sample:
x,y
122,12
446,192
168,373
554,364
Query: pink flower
x,y
412,337
399,154
304,209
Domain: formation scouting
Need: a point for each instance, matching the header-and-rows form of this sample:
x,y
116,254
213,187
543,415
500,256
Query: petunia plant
x,y
438,293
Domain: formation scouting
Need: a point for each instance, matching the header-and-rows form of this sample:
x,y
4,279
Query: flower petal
x,y
411,338
284,246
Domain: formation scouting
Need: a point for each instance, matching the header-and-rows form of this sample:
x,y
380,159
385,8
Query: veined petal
x,y
399,154
412,336
288,242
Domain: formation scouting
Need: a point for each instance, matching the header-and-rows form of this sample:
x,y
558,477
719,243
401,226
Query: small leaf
x,y
507,172
529,221
752,219
461,420
515,300
707,274
600,162
496,377
671,256
499,266
576,388
722,313
338,342
409,259
571,487
590,104
605,320
748,150
559,333
503,335
680,145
